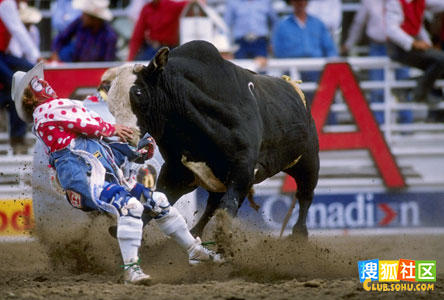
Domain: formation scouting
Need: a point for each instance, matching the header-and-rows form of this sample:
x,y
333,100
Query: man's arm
x,y
357,27
394,17
138,36
10,17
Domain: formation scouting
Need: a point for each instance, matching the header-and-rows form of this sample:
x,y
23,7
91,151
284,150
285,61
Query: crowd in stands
x,y
82,32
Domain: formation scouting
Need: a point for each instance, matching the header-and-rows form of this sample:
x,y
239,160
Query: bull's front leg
x,y
238,186
213,203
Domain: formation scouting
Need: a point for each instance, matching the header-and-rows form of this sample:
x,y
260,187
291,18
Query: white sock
x,y
129,235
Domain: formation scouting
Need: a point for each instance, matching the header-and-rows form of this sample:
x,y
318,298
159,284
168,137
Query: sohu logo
x,y
397,270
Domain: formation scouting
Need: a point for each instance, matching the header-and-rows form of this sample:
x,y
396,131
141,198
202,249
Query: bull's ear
x,y
155,66
161,58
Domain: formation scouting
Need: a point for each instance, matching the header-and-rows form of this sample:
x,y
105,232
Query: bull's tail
x,y
288,215
250,198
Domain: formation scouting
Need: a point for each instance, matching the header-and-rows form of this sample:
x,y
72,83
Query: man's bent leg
x,y
173,224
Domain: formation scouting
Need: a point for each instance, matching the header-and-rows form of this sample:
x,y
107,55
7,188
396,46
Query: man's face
x,y
299,4
41,89
90,21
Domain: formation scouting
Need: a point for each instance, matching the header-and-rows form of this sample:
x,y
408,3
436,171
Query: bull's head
x,y
121,79
144,92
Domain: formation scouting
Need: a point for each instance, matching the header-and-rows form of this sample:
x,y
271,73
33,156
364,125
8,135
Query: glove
x,y
156,204
146,146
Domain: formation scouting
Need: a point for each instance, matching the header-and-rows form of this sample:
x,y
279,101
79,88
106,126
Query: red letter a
x,y
368,136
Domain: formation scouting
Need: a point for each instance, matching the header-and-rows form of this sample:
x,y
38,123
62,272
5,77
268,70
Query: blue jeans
x,y
73,171
9,64
431,61
251,49
147,51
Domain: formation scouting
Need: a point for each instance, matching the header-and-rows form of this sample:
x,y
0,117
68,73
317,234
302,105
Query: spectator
x,y
12,27
30,16
63,14
410,44
133,9
157,26
89,37
302,35
330,12
370,16
250,22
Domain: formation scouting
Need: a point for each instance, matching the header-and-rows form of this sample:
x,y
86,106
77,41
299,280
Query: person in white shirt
x,y
410,44
330,13
30,16
370,17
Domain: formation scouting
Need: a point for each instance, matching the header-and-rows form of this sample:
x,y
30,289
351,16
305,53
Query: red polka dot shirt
x,y
58,121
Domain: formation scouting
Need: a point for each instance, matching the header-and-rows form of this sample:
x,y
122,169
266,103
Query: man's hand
x,y
146,146
123,132
421,45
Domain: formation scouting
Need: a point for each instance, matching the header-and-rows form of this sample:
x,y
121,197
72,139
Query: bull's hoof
x,y
230,208
300,233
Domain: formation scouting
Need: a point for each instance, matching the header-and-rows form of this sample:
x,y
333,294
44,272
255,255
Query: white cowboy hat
x,y
96,8
20,81
29,15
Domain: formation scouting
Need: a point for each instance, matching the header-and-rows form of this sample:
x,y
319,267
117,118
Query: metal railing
x,y
414,142
390,107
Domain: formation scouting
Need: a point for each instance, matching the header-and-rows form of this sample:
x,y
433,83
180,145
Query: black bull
x,y
243,126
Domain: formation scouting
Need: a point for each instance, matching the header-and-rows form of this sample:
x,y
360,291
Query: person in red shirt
x,y
89,170
409,43
157,26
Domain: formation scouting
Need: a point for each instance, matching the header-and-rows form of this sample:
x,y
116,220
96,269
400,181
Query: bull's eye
x,y
138,92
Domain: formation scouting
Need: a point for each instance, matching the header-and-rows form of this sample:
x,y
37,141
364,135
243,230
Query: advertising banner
x,y
382,211
16,218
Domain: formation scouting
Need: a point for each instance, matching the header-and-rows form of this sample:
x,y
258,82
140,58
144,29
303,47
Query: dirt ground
x,y
259,267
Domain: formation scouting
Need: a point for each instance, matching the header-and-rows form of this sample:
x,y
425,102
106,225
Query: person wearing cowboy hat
x,y
89,169
12,27
90,37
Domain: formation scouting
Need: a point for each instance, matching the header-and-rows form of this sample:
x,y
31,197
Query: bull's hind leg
x,y
212,204
306,173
